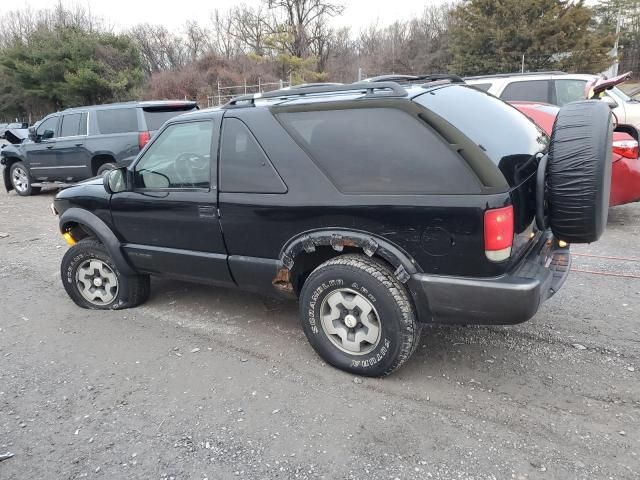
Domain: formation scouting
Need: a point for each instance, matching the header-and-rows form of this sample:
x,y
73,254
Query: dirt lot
x,y
205,383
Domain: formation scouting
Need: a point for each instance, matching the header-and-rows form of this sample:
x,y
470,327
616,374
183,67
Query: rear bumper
x,y
511,298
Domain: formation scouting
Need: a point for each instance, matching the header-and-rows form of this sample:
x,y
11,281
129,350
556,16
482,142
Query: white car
x,y
557,88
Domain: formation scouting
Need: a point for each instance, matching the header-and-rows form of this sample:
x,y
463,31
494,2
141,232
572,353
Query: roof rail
x,y
384,89
516,74
433,77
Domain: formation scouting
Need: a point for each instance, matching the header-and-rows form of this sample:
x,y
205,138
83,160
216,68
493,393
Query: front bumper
x,y
508,299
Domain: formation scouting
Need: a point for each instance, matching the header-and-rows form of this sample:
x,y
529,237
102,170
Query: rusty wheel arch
x,y
338,240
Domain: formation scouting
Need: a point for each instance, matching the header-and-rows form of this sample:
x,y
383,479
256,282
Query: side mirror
x,y
47,134
609,101
116,181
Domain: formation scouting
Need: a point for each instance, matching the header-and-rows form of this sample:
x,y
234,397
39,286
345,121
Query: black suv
x,y
381,207
83,142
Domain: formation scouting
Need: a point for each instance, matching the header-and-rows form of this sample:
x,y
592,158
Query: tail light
x,y
143,139
498,233
626,148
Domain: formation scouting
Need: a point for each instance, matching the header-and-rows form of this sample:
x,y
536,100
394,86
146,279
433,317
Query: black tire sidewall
x,y
74,257
318,286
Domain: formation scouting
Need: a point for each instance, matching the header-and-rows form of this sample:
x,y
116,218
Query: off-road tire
x,y
373,279
133,290
106,167
579,171
29,190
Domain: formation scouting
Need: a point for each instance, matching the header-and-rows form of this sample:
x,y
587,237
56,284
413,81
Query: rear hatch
x,y
157,113
508,138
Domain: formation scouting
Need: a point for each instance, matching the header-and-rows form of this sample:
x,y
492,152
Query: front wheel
x,y
21,180
93,281
107,167
358,316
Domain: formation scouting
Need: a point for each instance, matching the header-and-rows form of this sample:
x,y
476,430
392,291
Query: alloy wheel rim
x,y
20,179
350,321
97,282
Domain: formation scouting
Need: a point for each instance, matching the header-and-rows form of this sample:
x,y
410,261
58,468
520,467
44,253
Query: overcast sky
x,y
173,14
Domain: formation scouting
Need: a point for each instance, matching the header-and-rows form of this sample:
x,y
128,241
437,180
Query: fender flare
x,y
370,244
102,232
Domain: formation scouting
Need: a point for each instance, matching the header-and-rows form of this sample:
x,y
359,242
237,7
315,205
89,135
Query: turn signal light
x,y
626,148
143,139
498,233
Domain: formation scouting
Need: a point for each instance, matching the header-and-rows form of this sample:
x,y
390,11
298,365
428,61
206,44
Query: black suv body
x,y
382,208
79,143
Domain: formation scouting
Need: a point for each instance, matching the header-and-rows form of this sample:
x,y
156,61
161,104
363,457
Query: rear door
x,y
169,222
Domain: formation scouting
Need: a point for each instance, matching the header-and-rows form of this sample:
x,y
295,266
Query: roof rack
x,y
516,74
433,77
384,89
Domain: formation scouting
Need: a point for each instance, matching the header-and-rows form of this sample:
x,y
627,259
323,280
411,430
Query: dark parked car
x,y
83,142
382,208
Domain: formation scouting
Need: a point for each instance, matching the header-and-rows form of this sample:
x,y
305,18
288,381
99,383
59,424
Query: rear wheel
x,y
93,281
107,167
21,180
358,317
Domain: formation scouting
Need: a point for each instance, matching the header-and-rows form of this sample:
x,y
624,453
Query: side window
x,y
48,128
244,167
379,150
179,158
117,120
569,91
70,125
530,91
83,124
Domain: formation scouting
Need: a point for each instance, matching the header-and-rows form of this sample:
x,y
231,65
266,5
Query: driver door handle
x,y
49,147
207,211
79,144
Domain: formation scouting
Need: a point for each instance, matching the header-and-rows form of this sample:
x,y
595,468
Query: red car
x,y
625,175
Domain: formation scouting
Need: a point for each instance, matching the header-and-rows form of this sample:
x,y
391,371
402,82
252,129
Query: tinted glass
x,y
155,117
244,167
379,150
48,124
117,120
83,124
179,158
482,86
70,125
569,91
530,91
498,128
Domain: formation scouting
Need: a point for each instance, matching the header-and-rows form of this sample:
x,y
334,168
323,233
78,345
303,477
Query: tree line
x,y
61,57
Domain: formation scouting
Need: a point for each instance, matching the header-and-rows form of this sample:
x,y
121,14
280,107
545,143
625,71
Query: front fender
x,y
100,229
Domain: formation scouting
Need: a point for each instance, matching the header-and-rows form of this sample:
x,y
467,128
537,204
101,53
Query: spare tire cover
x,y
579,171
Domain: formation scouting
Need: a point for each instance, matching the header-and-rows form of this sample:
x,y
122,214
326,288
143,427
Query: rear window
x,y
496,127
117,120
156,116
482,86
379,150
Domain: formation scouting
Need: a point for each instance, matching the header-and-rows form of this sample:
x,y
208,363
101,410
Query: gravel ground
x,y
211,383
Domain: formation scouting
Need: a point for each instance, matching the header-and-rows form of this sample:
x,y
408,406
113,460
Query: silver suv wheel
x,y
20,179
350,321
96,282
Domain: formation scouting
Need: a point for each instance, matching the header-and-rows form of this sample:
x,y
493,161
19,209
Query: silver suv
x,y
557,88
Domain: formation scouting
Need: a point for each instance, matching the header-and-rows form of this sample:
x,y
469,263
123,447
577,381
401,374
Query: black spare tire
x,y
579,171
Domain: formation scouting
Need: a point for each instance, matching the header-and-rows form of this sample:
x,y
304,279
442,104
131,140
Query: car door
x,y
41,155
73,160
169,220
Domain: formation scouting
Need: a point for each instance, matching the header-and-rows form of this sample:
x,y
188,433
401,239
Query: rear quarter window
x,y
379,151
531,91
117,120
